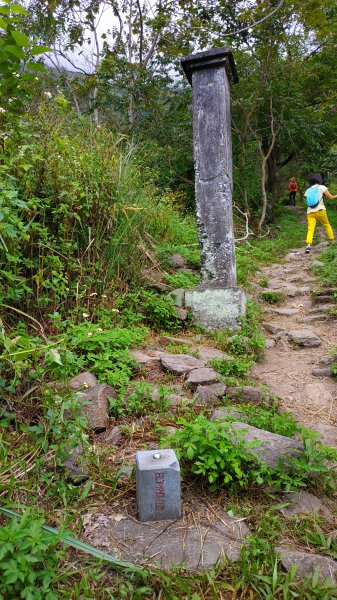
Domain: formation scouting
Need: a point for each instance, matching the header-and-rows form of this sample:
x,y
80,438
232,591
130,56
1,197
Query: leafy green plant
x,y
29,560
214,450
268,418
238,367
141,402
104,352
182,280
264,282
272,297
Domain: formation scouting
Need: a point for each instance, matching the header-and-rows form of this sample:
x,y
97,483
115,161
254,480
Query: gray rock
x,y
327,434
274,328
248,393
114,436
177,260
206,394
286,312
274,284
270,447
317,263
221,414
181,363
304,503
182,314
95,405
177,296
126,473
322,372
323,299
307,564
195,546
203,376
322,308
85,379
76,465
147,357
326,292
313,318
208,354
177,400
170,430
305,338
283,345
327,360
292,292
269,343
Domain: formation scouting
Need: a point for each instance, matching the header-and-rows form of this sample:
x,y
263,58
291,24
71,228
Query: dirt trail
x,y
287,368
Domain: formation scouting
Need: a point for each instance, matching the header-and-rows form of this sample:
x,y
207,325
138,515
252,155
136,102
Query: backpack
x,y
293,186
313,197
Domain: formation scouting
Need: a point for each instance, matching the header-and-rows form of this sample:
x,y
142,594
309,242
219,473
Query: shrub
x,y
29,560
213,450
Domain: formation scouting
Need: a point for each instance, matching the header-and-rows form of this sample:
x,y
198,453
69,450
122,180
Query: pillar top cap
x,y
210,59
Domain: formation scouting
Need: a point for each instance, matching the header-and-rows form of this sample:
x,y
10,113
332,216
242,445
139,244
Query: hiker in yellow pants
x,y
318,212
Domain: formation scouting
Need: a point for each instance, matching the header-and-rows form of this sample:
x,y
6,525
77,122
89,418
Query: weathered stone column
x,y
216,302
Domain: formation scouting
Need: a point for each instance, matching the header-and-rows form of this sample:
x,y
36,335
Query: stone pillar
x,y
158,485
216,302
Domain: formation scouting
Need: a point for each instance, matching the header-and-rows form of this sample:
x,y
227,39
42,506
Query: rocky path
x,y
301,335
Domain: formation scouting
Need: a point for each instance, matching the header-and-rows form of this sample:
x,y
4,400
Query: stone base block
x,y
216,308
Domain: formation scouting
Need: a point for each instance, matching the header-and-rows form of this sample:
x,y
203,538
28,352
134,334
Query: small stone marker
x,y
158,485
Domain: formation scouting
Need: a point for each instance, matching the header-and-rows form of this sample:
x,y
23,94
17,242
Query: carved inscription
x,y
159,491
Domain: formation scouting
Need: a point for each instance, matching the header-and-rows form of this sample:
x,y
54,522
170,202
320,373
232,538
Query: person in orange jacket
x,y
293,188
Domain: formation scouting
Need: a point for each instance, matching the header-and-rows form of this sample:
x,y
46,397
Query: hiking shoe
x,y
308,250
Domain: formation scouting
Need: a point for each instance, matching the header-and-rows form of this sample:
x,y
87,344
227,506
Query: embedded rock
x,y
270,447
178,261
269,344
181,363
317,263
202,376
246,392
208,354
76,465
147,357
327,434
85,380
326,292
322,372
95,405
114,436
323,299
286,312
308,564
327,360
207,394
221,414
182,314
273,328
304,503
312,318
305,338
196,546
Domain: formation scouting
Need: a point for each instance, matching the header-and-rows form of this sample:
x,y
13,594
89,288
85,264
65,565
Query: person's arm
x,y
330,196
